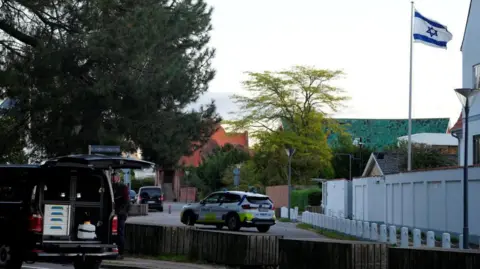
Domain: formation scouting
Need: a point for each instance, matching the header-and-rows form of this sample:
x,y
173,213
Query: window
x,y
231,198
149,193
57,189
213,198
259,200
88,188
476,149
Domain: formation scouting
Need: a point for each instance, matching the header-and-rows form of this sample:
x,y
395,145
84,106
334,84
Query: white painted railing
x,y
373,232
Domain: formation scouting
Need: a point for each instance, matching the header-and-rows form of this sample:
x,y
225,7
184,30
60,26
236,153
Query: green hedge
x,y
302,198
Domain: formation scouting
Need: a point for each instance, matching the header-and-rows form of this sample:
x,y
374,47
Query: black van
x,y
42,208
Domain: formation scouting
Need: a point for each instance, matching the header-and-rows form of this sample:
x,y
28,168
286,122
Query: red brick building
x,y
172,180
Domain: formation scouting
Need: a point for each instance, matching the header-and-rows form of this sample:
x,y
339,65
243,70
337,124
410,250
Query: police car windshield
x,y
258,200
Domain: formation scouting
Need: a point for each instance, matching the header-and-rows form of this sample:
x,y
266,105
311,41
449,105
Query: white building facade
x,y
471,76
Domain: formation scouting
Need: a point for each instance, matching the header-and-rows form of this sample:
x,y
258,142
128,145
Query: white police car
x,y
234,209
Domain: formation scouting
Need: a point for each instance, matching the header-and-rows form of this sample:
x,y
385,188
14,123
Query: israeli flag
x,y
430,32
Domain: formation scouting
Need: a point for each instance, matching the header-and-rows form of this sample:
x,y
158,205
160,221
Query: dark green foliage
x,y
315,198
423,157
108,72
209,175
301,198
136,184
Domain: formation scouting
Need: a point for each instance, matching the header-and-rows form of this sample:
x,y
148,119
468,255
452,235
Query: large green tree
x,y
298,100
108,72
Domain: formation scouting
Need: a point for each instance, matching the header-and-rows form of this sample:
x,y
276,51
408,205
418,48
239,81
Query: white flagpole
x,y
409,166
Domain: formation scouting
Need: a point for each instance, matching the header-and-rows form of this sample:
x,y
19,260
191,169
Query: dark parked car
x,y
153,196
60,210
133,196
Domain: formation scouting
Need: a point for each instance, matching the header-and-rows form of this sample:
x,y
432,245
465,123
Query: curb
x,y
118,266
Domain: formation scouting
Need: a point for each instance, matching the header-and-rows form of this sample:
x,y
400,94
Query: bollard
x,y
359,228
374,232
169,209
348,226
383,233
446,240
417,238
430,239
404,237
460,241
353,229
392,235
366,230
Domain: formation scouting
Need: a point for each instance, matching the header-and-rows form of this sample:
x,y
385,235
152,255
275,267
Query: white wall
x,y
431,200
368,193
337,198
471,57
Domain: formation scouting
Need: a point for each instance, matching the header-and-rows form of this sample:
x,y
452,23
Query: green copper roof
x,y
379,133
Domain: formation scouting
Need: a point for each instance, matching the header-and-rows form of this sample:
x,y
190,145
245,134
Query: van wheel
x,y
7,260
87,264
233,222
263,228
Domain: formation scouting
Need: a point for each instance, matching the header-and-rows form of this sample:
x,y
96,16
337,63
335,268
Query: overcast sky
x,y
367,39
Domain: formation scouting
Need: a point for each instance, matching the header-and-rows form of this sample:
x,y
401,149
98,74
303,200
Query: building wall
x,y
337,199
471,57
278,194
428,200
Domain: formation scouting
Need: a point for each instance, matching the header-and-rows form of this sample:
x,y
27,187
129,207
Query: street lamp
x,y
467,97
188,187
290,151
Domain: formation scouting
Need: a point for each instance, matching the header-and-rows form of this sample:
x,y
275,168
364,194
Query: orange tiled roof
x,y
219,139
458,125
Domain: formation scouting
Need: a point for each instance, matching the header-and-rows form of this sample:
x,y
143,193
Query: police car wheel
x,y
233,222
263,228
189,219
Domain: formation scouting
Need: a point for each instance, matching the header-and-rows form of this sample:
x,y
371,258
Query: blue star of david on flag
x,y
430,32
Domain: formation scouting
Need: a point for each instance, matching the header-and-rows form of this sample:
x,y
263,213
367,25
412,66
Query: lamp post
x,y
188,187
290,151
466,96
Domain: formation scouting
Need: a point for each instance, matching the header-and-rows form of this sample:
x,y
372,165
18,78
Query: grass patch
x,y
326,233
284,220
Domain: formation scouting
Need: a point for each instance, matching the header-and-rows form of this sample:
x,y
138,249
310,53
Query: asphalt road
x,y
288,230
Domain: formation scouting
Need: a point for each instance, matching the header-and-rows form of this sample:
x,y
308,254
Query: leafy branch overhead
x,y
293,96
108,72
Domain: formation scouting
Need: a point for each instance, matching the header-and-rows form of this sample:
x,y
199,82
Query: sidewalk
x,y
130,263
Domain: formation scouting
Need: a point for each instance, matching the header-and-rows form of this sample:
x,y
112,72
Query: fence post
x,y
366,230
354,228
348,226
383,233
374,232
393,235
417,238
446,240
430,239
460,241
404,237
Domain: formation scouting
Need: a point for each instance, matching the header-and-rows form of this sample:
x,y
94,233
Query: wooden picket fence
x,y
253,249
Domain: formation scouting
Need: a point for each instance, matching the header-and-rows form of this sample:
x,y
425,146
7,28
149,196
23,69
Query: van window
x,y
259,200
88,188
150,192
57,189
13,190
